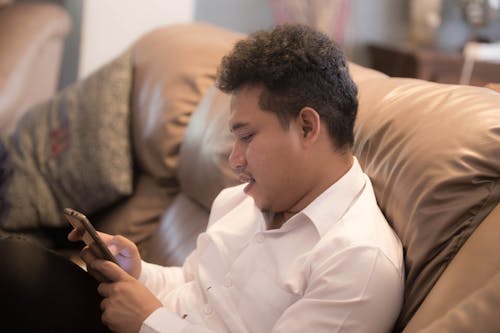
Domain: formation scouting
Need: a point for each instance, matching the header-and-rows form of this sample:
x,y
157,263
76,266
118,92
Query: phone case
x,y
79,221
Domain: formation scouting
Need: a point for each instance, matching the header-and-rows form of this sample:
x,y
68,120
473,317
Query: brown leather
x,y
477,313
137,216
204,169
203,173
466,298
432,152
178,230
174,66
360,73
32,36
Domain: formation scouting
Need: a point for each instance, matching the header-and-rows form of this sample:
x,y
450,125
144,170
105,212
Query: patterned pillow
x,y
71,151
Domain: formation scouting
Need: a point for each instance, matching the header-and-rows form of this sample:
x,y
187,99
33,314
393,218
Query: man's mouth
x,y
246,178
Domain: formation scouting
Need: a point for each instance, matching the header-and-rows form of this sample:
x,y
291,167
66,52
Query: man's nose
x,y
236,158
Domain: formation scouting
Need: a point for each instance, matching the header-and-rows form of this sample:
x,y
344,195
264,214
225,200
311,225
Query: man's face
x,y
266,156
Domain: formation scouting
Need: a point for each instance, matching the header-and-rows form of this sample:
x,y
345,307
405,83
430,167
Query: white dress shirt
x,y
336,266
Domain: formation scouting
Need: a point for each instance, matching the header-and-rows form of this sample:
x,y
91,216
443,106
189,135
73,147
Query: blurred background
x,y
389,35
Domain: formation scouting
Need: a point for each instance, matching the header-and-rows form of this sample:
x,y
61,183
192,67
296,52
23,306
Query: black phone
x,y
80,221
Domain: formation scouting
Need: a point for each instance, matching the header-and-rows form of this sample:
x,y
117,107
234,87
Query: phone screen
x,y
90,236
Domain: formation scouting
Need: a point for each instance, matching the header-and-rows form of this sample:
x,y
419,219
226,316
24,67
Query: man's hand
x,y
124,250
127,303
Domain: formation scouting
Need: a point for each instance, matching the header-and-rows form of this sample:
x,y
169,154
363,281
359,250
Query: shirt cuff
x,y
146,270
163,320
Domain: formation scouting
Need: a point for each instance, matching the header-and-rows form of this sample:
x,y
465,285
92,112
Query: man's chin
x,y
262,206
248,188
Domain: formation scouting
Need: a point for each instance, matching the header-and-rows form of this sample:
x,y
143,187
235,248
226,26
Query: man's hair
x,y
297,66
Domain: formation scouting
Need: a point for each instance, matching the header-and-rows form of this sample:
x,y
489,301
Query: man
x,y
301,245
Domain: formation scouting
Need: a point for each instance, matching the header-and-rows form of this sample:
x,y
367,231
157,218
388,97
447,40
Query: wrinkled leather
x,y
176,236
174,66
466,298
204,169
136,217
433,154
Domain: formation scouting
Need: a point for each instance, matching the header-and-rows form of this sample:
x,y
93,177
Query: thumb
x,y
120,245
110,270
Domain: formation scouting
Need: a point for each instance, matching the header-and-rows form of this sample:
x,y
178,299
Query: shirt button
x,y
228,282
259,238
207,310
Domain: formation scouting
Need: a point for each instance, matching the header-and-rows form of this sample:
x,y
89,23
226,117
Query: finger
x,y
106,238
76,235
110,270
104,289
97,275
96,250
87,255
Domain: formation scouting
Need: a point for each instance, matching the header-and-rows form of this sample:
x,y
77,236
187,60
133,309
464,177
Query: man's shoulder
x,y
230,196
226,200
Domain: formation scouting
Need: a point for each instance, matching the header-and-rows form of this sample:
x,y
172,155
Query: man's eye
x,y
247,138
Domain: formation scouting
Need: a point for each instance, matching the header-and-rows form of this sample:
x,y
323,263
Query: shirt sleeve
x,y
159,279
165,321
356,290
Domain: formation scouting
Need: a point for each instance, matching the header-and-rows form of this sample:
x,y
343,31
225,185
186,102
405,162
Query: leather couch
x,y
32,37
432,152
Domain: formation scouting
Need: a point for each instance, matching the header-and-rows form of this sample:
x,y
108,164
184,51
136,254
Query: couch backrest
x,y
174,66
183,153
431,150
433,154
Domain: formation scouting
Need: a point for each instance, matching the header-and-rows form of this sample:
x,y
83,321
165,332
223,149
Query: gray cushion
x,y
71,151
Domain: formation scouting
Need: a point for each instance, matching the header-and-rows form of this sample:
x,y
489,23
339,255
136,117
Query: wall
x,y
110,26
370,20
240,15
103,28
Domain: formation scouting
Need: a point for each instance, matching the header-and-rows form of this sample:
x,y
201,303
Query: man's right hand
x,y
124,250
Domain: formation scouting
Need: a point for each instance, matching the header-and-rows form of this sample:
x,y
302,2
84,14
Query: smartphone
x,y
80,221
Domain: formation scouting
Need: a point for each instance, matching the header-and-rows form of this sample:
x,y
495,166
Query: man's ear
x,y
309,123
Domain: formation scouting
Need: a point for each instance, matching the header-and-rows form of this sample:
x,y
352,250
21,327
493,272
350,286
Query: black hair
x,y
297,66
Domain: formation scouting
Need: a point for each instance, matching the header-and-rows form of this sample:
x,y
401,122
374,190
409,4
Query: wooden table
x,y
429,64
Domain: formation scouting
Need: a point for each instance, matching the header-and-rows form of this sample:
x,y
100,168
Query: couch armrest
x,y
467,296
31,35
477,313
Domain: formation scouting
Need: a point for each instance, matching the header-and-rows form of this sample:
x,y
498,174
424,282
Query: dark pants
x,y
41,291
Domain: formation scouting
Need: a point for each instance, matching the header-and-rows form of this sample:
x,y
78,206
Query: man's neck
x,y
276,221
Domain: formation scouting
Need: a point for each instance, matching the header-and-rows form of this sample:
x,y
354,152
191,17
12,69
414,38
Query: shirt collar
x,y
331,205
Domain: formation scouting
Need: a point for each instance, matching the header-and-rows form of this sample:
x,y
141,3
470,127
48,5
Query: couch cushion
x,y
71,151
433,154
203,172
174,66
203,168
136,217
360,73
176,236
